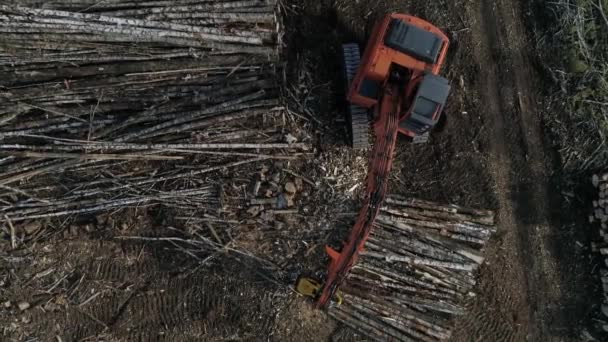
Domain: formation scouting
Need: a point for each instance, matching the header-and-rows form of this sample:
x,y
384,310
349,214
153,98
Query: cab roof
x,y
414,41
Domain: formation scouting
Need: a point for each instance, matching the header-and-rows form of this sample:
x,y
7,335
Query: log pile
x,y
600,205
113,104
599,216
417,268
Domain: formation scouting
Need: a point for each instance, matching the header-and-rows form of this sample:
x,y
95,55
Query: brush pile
x,y
417,268
114,104
574,38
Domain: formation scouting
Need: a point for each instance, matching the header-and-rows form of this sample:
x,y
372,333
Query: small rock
x,y
50,306
32,227
290,188
276,177
7,304
282,201
23,306
290,139
299,184
290,201
61,300
254,210
263,172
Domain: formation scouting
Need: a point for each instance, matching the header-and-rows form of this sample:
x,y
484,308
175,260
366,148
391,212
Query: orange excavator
x,y
396,88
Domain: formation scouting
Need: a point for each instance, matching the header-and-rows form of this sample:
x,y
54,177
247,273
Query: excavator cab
x,y
416,50
427,104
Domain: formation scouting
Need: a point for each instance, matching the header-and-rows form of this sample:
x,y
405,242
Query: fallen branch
x,y
92,156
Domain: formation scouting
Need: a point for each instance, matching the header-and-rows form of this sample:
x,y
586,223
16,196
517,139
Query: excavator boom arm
x,y
381,161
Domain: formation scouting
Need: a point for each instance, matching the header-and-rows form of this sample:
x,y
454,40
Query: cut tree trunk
x,y
416,271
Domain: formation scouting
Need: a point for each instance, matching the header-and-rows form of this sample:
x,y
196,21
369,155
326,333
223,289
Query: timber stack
x,y
114,104
600,205
599,216
417,268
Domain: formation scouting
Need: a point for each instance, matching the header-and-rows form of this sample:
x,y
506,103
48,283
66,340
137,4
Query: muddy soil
x,y
492,154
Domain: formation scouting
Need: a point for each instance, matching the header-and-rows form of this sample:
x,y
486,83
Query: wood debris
x,y
417,268
112,104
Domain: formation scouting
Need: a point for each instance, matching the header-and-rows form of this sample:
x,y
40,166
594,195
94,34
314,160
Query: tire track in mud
x,y
520,283
538,231
489,318
115,293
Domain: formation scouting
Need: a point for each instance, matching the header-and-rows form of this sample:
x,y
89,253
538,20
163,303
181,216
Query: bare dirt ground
x,y
492,154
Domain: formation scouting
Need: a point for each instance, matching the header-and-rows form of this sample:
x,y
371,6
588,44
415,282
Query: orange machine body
x,y
393,103
378,59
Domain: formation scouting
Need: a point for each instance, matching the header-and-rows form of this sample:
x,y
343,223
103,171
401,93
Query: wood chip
x,y
23,306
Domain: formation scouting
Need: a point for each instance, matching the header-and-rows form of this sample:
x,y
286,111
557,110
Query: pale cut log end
x,y
595,180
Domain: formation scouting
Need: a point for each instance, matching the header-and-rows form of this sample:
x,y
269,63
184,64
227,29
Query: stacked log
x,y
599,216
600,205
417,268
113,104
